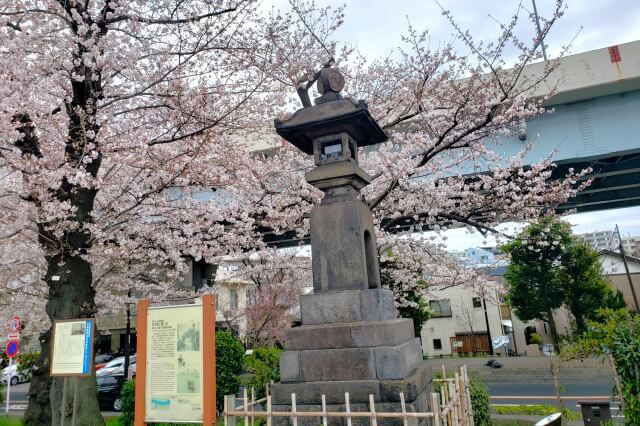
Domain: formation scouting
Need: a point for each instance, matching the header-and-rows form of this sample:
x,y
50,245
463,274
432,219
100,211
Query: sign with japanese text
x,y
72,351
174,378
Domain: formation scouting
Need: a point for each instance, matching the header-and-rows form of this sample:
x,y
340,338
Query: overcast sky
x,y
376,28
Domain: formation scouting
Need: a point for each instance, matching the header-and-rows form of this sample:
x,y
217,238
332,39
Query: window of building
x,y
233,299
440,308
477,302
437,344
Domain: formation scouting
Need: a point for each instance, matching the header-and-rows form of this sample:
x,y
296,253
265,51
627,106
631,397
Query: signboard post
x,y
12,350
175,368
72,356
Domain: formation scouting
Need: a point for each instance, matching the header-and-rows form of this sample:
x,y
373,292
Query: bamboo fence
x,y
450,407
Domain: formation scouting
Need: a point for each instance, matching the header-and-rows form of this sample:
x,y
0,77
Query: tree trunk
x,y
554,330
616,381
577,313
71,295
554,365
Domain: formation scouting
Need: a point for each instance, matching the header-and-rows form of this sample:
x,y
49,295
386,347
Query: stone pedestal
x,y
352,341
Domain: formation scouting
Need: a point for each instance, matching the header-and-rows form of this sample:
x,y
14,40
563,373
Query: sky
x,y
376,28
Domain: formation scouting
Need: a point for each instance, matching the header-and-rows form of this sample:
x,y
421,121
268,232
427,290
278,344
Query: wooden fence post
x,y
435,407
209,356
141,364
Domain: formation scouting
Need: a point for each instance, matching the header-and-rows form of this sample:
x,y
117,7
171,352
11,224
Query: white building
x,y
600,240
631,246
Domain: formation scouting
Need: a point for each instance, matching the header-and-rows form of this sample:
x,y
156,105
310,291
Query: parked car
x,y
102,360
12,374
115,366
109,387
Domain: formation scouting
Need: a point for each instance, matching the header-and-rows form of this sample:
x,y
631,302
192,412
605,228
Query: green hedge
x,y
479,394
128,398
480,402
229,357
264,365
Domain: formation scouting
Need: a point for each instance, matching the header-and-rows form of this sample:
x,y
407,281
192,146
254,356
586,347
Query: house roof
x,y
618,255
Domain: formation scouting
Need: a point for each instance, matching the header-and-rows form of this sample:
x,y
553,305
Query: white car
x,y
12,374
115,366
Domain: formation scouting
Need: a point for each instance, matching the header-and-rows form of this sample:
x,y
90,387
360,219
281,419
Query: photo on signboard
x,y
188,336
77,328
189,381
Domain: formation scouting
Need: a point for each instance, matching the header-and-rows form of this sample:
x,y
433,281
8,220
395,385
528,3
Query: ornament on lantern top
x,y
332,130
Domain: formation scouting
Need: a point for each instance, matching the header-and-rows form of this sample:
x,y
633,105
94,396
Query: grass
x,y
503,422
534,410
10,421
113,421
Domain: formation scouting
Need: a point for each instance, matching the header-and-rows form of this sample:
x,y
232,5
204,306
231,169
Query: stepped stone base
x,y
352,341
347,306
359,390
418,406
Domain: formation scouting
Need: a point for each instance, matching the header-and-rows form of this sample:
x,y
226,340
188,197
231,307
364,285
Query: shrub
x,y
535,410
480,403
264,364
229,357
128,397
479,395
26,362
535,339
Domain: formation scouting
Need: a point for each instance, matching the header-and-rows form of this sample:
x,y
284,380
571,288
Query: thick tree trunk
x,y
71,295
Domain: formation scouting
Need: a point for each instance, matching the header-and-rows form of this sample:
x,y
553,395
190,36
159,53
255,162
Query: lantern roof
x,y
340,115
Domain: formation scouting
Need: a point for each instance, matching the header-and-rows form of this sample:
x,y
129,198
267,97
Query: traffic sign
x,y
12,349
15,324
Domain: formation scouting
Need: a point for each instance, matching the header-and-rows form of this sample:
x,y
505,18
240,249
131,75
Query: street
x,y
543,393
19,397
500,392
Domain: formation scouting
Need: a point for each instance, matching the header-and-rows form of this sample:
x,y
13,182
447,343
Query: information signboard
x,y
174,364
72,351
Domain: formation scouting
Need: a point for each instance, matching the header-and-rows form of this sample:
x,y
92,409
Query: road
x,y
543,393
501,393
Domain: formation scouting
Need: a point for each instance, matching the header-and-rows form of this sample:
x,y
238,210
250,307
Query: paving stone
x,y
338,364
347,306
311,392
420,405
396,362
323,336
377,304
417,382
290,366
350,335
382,333
330,307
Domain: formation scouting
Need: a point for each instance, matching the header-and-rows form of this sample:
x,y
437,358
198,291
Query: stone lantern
x,y
351,339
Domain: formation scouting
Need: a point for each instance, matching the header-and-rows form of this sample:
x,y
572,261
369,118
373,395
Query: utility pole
x,y
127,346
626,268
535,13
486,319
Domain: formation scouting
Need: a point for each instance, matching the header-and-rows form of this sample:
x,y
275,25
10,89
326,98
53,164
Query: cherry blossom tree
x,y
120,121
123,147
